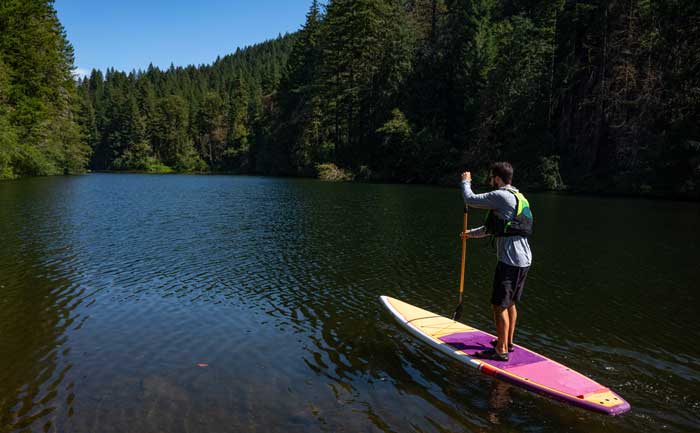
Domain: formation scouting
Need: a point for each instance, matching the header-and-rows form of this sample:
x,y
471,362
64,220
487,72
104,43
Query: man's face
x,y
492,180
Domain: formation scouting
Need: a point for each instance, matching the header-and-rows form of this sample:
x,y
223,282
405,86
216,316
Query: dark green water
x,y
113,288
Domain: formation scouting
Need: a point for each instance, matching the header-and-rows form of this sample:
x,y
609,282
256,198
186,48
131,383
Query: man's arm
x,y
479,232
483,201
488,200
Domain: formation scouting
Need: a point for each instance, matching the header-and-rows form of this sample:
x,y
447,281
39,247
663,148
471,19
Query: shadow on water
x,y
187,303
38,299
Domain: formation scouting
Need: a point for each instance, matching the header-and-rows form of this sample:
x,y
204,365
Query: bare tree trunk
x,y
551,70
433,22
603,86
337,122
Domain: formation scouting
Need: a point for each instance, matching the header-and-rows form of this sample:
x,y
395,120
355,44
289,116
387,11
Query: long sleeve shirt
x,y
511,250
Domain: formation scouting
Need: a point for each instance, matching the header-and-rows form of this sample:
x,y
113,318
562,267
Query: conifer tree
x,y
410,91
470,54
170,136
299,113
356,35
40,99
211,126
8,136
238,135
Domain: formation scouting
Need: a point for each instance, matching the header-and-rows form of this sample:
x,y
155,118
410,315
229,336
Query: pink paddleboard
x,y
525,368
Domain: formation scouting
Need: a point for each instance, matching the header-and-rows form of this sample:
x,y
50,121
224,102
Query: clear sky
x,y
130,34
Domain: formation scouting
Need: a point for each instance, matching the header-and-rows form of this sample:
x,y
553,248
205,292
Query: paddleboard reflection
x,y
499,400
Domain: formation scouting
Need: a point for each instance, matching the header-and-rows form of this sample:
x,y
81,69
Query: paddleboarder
x,y
509,220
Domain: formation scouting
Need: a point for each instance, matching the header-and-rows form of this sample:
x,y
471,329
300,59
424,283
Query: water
x,y
134,303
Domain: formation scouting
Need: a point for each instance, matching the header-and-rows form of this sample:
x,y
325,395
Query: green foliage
x,y
332,173
549,172
299,129
211,126
8,135
238,137
569,92
188,160
396,129
399,148
39,133
8,149
138,157
170,138
361,71
194,119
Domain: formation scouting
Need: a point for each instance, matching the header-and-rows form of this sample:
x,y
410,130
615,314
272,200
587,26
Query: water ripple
x,y
221,303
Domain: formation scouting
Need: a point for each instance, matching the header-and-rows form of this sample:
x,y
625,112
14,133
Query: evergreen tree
x,y
131,124
470,57
300,134
39,94
8,136
238,145
171,142
357,35
593,94
211,127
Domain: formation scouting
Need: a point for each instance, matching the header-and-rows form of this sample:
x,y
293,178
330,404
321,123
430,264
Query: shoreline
x,y
576,191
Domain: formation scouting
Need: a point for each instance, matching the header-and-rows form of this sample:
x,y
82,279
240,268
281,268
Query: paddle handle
x,y
464,254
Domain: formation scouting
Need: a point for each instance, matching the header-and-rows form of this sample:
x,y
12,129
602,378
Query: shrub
x,y
333,173
549,170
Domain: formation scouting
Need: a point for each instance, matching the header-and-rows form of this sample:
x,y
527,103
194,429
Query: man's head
x,y
501,174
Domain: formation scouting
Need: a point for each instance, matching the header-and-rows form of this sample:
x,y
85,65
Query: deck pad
x,y
526,364
525,368
477,341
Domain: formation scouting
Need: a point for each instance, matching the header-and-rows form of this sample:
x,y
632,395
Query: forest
x,y
40,133
590,95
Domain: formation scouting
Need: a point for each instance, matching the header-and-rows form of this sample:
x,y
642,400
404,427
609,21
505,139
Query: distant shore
x,y
577,191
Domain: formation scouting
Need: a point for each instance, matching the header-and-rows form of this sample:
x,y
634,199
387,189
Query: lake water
x,y
136,303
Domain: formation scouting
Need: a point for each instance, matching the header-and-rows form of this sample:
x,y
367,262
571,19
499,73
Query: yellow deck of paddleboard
x,y
428,323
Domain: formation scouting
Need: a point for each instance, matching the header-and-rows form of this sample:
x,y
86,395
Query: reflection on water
x,y
499,400
37,308
217,303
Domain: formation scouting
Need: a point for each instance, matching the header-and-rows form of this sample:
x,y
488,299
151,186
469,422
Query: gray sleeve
x,y
479,232
489,200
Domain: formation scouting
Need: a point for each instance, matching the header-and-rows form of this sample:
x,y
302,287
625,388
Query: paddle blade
x,y
458,312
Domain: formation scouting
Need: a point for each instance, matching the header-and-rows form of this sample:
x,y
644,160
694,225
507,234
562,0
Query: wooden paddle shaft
x,y
464,254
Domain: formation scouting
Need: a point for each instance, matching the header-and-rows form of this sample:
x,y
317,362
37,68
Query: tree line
x,y
598,95
211,117
39,129
588,94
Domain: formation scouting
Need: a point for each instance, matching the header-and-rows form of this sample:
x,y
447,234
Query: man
x,y
510,221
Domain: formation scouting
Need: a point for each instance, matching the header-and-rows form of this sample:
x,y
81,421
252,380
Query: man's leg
x,y
502,320
512,318
513,310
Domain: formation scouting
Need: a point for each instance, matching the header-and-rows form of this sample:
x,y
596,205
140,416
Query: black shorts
x,y
508,284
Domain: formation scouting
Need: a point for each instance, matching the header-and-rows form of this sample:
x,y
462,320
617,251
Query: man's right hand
x,y
466,176
464,235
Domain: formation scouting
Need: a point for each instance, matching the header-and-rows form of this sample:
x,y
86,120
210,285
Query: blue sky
x,y
130,34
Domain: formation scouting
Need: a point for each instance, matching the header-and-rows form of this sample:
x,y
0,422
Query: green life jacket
x,y
519,225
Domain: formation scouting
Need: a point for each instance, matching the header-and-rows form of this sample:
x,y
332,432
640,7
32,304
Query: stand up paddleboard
x,y
525,368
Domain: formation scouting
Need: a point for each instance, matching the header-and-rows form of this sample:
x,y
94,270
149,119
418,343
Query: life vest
x,y
519,225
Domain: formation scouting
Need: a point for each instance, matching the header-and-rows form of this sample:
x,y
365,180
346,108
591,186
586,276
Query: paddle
x,y
458,311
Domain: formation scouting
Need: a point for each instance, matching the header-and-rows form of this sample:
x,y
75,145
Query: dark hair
x,y
503,170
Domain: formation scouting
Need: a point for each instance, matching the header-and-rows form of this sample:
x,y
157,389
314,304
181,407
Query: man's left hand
x,y
467,176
